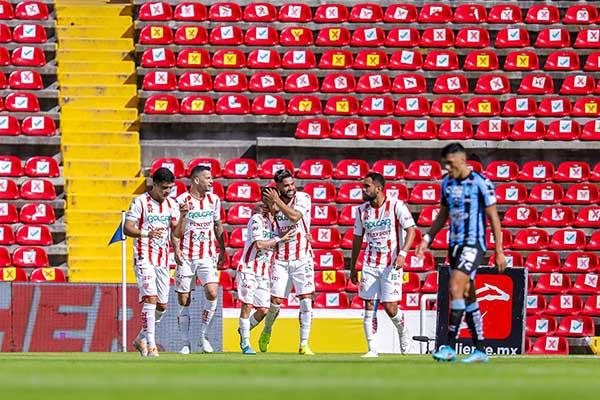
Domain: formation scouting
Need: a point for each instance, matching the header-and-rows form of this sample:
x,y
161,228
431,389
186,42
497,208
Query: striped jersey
x,y
148,214
260,227
198,241
298,246
467,200
383,229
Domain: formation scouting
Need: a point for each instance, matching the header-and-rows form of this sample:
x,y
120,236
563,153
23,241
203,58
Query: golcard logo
x,y
495,298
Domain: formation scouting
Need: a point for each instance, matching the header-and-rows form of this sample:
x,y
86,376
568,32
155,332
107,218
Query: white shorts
x,y
384,284
301,272
185,274
254,289
152,281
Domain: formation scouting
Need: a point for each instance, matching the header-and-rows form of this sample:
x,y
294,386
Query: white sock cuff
x,y
369,313
212,305
305,305
149,307
274,308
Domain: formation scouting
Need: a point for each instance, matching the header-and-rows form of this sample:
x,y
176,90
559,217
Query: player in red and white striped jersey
x,y
293,257
389,229
150,220
196,255
253,281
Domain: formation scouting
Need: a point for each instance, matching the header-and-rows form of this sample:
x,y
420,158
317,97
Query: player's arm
x,y
436,226
292,214
179,229
492,214
356,246
131,220
270,243
406,221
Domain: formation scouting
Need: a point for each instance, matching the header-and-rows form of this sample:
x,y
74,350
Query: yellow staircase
x,y
99,122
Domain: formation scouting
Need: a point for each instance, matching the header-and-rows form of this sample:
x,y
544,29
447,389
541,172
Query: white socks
x,y
148,322
398,321
245,331
369,331
158,314
207,315
271,316
183,320
305,320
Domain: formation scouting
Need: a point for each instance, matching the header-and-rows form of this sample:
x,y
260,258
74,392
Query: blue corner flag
x,y
118,235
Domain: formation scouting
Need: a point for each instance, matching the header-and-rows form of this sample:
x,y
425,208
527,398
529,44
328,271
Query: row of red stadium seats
x,y
46,274
29,213
231,35
41,125
451,129
368,13
38,166
22,79
24,257
23,33
31,189
501,170
26,10
25,235
571,326
563,304
343,82
558,283
25,56
374,59
20,102
383,105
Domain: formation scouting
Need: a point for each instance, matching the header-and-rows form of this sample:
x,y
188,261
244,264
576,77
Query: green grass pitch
x,y
86,376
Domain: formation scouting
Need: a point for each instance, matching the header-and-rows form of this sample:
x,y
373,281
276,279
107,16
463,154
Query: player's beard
x,y
289,195
369,198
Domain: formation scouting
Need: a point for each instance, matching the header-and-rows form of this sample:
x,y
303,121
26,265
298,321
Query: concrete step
x,y
99,90
79,126
75,217
105,185
86,44
124,138
83,78
64,55
118,114
98,201
117,67
94,32
98,11
69,20
99,102
101,151
98,269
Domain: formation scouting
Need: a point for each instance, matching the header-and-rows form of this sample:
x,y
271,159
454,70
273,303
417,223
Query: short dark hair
x,y
282,174
163,175
377,178
197,169
453,148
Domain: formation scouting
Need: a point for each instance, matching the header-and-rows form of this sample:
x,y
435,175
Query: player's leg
x,y
246,284
262,299
162,298
303,279
145,275
183,319
473,315
279,279
207,272
368,291
391,293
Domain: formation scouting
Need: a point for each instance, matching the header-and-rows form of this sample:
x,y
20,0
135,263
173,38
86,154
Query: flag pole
x,y
123,284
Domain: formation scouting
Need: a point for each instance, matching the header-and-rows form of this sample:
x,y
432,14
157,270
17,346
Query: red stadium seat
x,y
520,216
238,237
234,59
403,37
175,165
187,11
240,168
455,129
324,214
576,326
309,105
243,191
337,83
27,56
341,105
477,38
536,304
8,213
301,83
325,238
536,84
7,236
384,129
437,37
8,189
261,36
47,275
30,257
441,60
594,243
25,79
368,37
407,60
41,166
330,281
158,57
531,239
419,264
419,129
581,193
366,13
230,81
22,102
564,130
493,129
447,107
351,169
239,214
511,193
329,260
5,260
9,126
390,169
265,82
269,167
481,60
300,59
451,84
428,215
412,106
268,104
260,12
409,84
296,36
36,213
349,128
423,193
193,82
350,193
33,235
435,14
31,10
513,259
156,35
321,192
536,171
543,262
155,11
521,61
225,12
233,105
396,191
161,104
581,14
505,14
424,170
502,171
332,301
542,14
191,35
581,262
28,33
549,193
554,107
160,80
554,283
377,106
11,274
539,325
331,13
572,171
295,12
588,217
556,38
492,84
470,14
556,216
592,306
564,305
586,284
347,215
551,345
512,37
371,60
315,169
37,189
562,61
10,166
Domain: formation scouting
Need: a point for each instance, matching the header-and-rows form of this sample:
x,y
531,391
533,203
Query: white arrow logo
x,y
496,293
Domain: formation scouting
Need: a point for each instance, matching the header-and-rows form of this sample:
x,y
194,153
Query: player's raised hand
x,y
354,276
271,195
154,233
500,262
183,208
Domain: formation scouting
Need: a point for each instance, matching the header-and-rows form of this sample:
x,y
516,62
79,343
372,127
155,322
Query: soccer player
x,y
150,220
390,230
253,282
293,257
467,198
198,227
